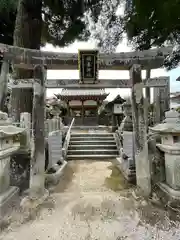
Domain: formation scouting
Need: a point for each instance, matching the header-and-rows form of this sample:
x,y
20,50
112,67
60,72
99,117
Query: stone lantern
x,y
127,124
169,132
117,112
9,144
126,135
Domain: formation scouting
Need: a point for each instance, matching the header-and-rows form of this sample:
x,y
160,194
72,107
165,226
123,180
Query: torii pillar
x,y
143,173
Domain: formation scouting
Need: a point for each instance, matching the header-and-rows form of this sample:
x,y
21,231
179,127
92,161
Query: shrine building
x,y
83,104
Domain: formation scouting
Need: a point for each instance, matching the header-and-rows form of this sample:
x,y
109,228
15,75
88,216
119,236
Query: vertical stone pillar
x,y
147,100
148,89
3,84
143,175
37,176
167,96
82,112
68,109
68,113
45,90
25,122
127,137
114,127
161,96
98,105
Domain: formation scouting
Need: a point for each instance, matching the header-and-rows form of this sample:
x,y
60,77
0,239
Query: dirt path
x,y
93,202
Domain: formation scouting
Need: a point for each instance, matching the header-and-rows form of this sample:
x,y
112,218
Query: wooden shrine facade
x,y
82,105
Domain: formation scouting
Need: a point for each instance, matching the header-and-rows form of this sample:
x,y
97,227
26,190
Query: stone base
x,y
53,178
129,174
168,194
7,198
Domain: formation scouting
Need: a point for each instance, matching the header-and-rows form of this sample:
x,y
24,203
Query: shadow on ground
x,y
116,180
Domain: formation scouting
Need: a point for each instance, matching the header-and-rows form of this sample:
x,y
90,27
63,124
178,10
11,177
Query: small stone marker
x,y
55,148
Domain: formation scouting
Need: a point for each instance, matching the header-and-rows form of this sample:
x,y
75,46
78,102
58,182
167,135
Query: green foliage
x,y
63,20
146,23
7,20
107,27
8,5
154,23
178,109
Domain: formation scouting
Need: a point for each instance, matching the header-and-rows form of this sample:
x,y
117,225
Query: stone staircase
x,y
92,146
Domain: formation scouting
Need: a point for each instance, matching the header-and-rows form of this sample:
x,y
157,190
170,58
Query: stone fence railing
x,y
51,125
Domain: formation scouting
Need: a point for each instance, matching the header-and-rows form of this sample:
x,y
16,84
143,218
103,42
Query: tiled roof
x,y
83,92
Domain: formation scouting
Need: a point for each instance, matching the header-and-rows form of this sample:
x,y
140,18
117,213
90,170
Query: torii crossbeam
x,y
28,58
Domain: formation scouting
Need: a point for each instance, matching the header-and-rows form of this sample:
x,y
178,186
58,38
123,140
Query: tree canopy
x,y
107,29
63,21
154,23
146,24
7,20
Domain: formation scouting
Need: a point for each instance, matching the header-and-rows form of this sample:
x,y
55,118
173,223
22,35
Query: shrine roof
x,y
83,92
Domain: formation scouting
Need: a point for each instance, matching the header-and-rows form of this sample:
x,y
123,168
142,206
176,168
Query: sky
x,y
111,74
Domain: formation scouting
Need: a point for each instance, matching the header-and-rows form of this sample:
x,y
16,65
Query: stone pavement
x,y
93,202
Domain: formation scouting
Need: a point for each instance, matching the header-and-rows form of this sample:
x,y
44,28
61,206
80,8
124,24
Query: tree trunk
x,y
27,34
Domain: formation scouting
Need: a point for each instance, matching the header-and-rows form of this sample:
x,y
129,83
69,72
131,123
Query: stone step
x,y
103,157
92,135
91,138
92,146
91,128
93,152
95,142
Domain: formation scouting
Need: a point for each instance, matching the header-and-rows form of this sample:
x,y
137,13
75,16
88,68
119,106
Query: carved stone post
x,y
159,96
147,100
3,83
135,76
148,89
143,175
127,137
25,122
162,101
82,112
167,96
68,109
37,178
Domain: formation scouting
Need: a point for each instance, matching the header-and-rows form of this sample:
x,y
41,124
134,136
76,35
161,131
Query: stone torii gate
x,y
41,61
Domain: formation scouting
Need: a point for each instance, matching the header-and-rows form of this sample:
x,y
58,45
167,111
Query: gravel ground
x,y
93,202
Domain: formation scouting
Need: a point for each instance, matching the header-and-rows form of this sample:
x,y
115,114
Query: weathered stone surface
x,y
7,198
28,58
25,122
54,178
127,124
3,83
7,148
20,170
37,179
170,146
143,174
55,148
